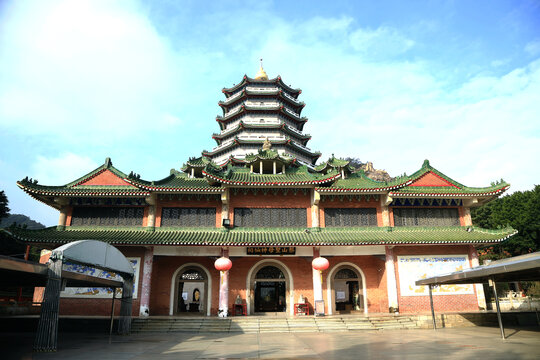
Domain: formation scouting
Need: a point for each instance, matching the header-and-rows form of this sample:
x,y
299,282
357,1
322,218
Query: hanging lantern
x,y
320,263
223,264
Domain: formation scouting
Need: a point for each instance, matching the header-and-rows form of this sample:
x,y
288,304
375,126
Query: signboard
x,y
98,292
416,267
271,250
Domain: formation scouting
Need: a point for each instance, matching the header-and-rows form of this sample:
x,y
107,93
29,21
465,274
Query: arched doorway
x,y
346,290
270,288
191,289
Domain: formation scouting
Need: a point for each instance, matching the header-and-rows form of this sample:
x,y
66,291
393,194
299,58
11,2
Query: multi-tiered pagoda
x,y
260,199
260,110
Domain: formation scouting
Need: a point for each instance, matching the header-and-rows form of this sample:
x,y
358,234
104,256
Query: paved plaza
x,y
456,343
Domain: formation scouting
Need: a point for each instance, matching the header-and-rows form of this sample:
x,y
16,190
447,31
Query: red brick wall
x,y
415,304
300,268
102,307
107,178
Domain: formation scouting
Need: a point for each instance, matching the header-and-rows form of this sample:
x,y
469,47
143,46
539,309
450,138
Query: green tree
x,y
4,210
520,210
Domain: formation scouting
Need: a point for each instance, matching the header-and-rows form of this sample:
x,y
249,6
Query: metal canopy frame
x,y
518,268
91,253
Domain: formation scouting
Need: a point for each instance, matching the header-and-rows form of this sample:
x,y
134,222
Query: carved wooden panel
x,y
342,217
107,216
277,217
188,217
426,217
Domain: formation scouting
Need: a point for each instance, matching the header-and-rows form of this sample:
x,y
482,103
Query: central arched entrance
x,y
270,290
270,287
191,291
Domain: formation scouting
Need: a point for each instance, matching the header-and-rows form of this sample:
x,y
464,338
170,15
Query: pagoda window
x,y
188,217
345,217
107,216
426,217
276,217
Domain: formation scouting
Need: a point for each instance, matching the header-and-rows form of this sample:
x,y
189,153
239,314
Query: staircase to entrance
x,y
255,324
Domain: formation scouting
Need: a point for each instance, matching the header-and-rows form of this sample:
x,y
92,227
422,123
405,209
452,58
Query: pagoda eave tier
x,y
285,143
266,237
249,94
280,126
247,80
247,109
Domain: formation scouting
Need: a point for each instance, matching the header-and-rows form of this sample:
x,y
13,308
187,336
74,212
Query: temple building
x,y
260,200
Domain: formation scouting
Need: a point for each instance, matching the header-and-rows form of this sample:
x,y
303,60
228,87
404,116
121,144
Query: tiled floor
x,y
456,343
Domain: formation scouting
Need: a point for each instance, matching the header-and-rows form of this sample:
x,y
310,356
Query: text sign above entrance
x,y
271,250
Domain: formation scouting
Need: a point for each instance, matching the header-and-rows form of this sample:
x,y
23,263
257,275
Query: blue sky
x,y
392,82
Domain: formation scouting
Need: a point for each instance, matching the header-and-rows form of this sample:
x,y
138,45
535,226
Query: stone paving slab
x,y
417,344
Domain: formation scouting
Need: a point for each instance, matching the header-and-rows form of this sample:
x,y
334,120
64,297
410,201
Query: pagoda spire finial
x,y
261,74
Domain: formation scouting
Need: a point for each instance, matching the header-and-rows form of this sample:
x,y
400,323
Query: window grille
x,y
269,272
342,217
107,216
426,217
346,274
278,217
188,217
192,274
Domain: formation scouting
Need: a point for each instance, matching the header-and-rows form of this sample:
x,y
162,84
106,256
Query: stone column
x,y
64,209
317,279
391,283
151,218
467,220
224,205
385,201
275,167
144,309
315,213
479,287
223,310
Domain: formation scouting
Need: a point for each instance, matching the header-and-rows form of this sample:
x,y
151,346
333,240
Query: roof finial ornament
x,y
261,74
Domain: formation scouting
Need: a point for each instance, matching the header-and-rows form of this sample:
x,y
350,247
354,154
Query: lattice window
x,y
341,217
426,217
188,217
107,216
192,274
278,217
346,274
269,272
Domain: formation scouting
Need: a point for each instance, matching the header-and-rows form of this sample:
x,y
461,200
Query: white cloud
x,y
62,169
533,48
82,67
381,42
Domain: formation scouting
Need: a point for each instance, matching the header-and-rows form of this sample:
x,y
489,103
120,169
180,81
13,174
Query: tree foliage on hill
x,y
4,210
520,210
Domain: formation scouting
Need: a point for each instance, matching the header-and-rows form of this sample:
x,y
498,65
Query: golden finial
x,y
261,75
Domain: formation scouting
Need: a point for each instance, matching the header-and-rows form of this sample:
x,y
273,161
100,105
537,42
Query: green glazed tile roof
x,y
267,236
399,186
75,188
178,182
292,177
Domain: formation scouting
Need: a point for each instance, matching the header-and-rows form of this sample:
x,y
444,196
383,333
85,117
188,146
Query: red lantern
x,y
320,263
223,264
